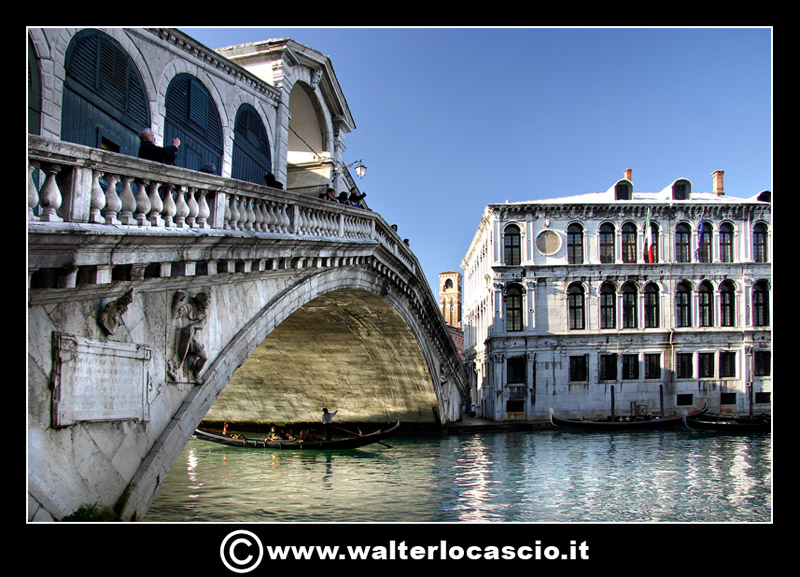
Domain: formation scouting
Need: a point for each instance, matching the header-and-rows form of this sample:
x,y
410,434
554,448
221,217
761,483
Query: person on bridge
x,y
327,422
150,151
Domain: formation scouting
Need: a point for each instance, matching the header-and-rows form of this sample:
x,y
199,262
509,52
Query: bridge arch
x,y
412,380
341,345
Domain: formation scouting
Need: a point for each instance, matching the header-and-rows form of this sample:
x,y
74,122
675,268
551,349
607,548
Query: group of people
x,y
287,435
149,150
352,199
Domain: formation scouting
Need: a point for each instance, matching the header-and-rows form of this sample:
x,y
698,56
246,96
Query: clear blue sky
x,y
451,119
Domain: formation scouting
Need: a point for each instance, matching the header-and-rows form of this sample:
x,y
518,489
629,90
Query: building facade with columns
x,y
621,302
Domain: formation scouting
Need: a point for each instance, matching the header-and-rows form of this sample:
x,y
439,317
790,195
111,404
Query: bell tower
x,y
450,298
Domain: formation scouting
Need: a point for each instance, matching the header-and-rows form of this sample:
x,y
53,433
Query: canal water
x,y
552,476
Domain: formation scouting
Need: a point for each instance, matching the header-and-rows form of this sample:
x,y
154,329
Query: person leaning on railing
x,y
150,151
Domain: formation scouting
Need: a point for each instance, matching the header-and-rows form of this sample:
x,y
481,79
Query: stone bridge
x,y
161,296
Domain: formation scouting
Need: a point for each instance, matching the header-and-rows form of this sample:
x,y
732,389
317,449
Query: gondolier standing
x,y
327,422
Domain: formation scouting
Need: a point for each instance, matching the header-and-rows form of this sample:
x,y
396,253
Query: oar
x,y
359,435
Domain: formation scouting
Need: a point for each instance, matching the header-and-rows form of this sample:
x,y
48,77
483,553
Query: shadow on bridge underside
x,y
349,351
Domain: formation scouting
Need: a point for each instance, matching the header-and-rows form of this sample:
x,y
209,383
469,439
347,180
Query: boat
x,y
624,423
729,424
353,442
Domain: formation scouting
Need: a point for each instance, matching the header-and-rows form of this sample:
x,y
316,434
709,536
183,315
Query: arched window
x,y
761,304
652,311
705,305
630,295
511,245
575,244
192,116
760,248
727,304
104,102
683,235
513,308
34,91
628,242
575,306
683,306
704,236
726,242
607,254
252,159
608,306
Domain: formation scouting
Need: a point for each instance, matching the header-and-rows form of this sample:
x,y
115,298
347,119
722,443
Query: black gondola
x,y
322,445
730,424
632,424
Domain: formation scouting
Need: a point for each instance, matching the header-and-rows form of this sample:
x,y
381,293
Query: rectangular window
x,y
652,366
515,370
630,367
684,366
515,406
705,365
608,367
579,368
727,364
762,361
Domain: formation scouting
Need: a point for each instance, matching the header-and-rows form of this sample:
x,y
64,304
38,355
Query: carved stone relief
x,y
110,317
189,314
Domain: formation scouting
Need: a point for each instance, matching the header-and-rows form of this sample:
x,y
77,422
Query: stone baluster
x,y
250,216
194,208
142,205
97,200
50,195
33,194
128,202
181,208
228,214
169,207
113,202
270,218
286,222
203,211
156,204
233,223
258,207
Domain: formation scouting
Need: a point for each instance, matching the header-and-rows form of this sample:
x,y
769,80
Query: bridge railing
x,y
70,183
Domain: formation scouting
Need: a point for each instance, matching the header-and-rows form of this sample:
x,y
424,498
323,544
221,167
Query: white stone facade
x,y
563,309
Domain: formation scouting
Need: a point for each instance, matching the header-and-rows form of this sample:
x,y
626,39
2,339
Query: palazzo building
x,y
621,302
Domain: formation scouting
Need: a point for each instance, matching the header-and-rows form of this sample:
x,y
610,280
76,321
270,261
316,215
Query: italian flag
x,y
650,242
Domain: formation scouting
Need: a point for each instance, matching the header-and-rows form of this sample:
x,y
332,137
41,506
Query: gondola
x,y
730,424
334,444
633,424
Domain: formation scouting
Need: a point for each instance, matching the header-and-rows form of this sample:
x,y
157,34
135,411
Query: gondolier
x,y
327,422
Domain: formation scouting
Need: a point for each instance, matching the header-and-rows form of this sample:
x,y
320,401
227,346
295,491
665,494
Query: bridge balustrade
x,y
79,188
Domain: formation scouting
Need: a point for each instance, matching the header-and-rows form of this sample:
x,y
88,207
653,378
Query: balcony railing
x,y
69,183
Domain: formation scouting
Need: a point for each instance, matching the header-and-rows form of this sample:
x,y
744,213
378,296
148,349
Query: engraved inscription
x,y
98,381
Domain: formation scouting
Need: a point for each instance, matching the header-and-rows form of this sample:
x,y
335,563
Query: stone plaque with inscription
x,y
98,380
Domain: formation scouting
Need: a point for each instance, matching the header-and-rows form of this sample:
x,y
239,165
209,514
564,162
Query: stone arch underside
x,y
348,350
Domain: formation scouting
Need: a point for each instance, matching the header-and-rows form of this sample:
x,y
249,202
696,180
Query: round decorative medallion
x,y
548,242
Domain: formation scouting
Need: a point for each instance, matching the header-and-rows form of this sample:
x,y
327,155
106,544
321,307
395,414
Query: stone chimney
x,y
628,174
717,176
